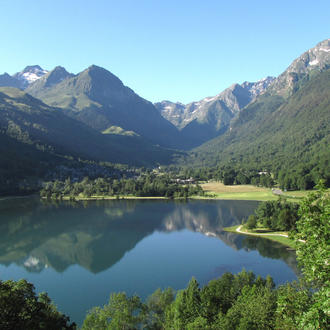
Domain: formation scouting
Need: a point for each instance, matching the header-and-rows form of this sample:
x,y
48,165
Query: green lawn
x,y
218,190
252,195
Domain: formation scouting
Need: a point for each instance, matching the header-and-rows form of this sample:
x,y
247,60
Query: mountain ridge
x,y
28,120
99,99
210,117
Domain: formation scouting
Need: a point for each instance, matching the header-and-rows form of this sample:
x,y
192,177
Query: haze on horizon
x,y
176,51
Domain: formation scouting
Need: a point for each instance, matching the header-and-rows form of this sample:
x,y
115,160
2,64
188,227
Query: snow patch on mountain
x,y
211,108
314,62
29,75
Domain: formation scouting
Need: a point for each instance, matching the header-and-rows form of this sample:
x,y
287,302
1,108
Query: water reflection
x,y
96,235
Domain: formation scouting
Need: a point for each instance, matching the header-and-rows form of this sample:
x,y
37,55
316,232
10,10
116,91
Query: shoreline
x,y
100,198
4,198
279,237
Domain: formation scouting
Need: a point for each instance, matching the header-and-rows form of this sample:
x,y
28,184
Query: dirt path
x,y
258,234
238,229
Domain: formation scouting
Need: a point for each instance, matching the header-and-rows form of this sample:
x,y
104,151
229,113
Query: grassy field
x,y
218,190
273,235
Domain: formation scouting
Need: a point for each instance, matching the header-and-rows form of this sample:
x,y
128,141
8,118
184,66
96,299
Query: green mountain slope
x,y
277,132
100,100
29,121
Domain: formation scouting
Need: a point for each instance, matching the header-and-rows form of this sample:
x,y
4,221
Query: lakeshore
x,y
279,236
212,191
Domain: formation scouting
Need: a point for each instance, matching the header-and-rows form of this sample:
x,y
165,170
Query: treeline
x,y
239,301
229,175
148,185
218,305
274,215
300,176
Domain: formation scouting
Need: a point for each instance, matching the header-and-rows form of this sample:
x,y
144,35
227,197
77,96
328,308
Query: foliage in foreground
x,y
21,308
239,301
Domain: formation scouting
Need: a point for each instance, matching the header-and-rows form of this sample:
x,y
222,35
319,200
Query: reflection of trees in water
x,y
271,249
96,235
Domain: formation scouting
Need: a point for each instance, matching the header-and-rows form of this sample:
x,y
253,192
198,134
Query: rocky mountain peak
x,y
29,75
316,58
258,87
56,76
8,81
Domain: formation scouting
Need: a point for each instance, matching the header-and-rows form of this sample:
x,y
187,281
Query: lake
x,y
81,252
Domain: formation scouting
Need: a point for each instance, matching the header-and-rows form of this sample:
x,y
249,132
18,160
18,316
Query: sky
x,y
182,50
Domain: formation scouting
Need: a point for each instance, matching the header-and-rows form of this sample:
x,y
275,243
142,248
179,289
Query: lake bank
x,y
212,191
280,237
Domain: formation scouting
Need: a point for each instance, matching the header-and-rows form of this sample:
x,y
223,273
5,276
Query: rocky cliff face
x,y
232,99
316,59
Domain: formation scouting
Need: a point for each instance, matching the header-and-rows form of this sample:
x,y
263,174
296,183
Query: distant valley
x,y
201,121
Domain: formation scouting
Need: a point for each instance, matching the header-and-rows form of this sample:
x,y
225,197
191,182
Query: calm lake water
x,y
81,252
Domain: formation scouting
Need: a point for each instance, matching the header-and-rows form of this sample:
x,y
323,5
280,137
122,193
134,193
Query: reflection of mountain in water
x,y
96,235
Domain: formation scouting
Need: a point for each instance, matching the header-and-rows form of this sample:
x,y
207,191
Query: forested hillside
x,y
32,122
287,136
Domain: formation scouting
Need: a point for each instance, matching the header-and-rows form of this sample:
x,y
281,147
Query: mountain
x,y
29,75
287,129
49,79
8,81
29,121
99,99
315,60
203,120
257,88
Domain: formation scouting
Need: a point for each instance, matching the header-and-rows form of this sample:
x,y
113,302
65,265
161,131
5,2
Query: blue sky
x,y
175,50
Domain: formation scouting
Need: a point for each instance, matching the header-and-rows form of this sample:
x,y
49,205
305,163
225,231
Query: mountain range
x,y
93,115
286,129
201,121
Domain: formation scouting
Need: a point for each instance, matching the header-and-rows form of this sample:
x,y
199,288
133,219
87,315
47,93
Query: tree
x,y
313,228
185,308
251,222
21,308
121,312
313,255
293,301
253,309
157,304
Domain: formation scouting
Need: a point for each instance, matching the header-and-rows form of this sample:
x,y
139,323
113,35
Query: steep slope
x,y
315,60
28,120
51,78
278,133
210,117
289,124
99,99
8,81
